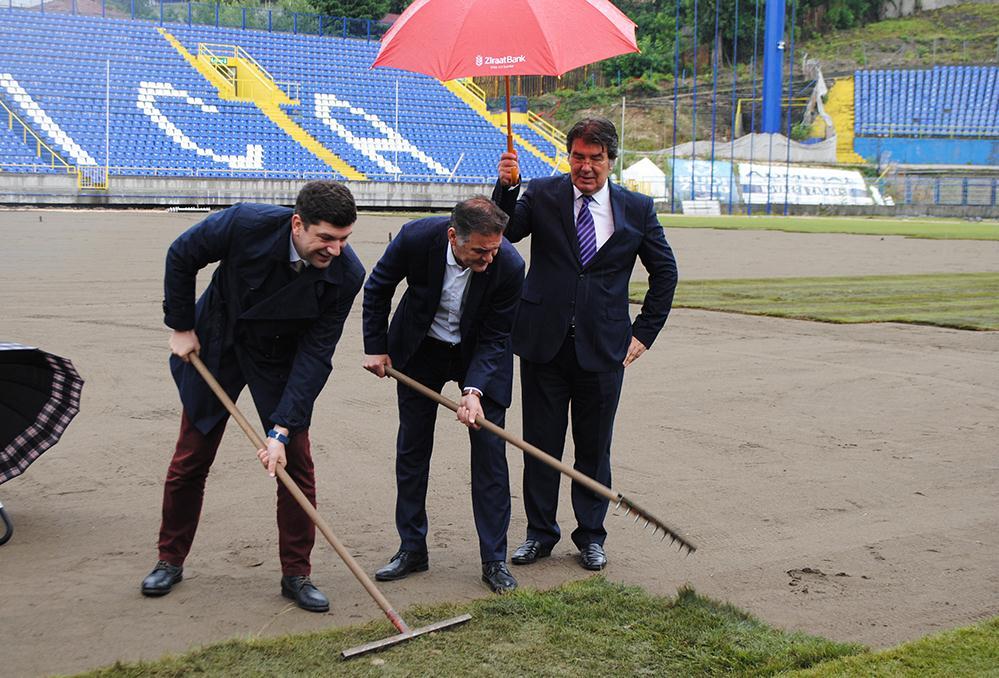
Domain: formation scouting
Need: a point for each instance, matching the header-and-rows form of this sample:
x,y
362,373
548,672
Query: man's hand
x,y
636,349
182,344
376,364
274,453
508,169
469,409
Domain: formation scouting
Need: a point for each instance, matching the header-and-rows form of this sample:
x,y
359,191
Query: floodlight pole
x,y
773,65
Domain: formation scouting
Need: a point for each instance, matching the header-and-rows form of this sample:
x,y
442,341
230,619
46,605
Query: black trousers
x,y
548,391
433,365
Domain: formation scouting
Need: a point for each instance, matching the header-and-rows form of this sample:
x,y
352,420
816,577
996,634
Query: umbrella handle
x,y
515,176
300,497
8,526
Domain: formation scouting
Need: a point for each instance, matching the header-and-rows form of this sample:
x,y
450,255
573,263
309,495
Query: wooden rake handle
x,y
597,488
300,497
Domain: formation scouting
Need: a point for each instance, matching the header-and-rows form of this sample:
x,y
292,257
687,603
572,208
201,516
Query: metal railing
x,y
55,160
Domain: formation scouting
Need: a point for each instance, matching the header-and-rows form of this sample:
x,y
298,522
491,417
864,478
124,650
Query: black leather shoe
x,y
305,594
530,551
161,579
402,564
499,579
592,557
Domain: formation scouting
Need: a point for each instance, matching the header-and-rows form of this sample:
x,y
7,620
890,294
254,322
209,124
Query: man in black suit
x,y
573,332
453,324
270,319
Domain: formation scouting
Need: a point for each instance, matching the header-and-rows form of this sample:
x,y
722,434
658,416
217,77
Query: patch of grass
x,y
969,651
590,627
959,300
937,229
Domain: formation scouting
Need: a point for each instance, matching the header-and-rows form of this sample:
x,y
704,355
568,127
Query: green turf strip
x,y
591,627
970,651
959,300
942,229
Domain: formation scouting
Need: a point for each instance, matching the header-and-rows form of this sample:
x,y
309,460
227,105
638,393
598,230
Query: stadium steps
x,y
466,91
839,106
306,140
268,107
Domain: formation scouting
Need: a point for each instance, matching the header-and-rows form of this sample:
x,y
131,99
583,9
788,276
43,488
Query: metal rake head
x,y
675,537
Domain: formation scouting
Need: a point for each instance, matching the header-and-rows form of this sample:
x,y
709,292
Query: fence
x,y
210,14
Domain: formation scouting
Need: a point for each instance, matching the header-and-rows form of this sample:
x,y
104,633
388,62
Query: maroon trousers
x,y
185,488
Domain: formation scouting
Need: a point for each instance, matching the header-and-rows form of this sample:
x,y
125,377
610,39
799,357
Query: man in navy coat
x,y
574,333
270,319
453,324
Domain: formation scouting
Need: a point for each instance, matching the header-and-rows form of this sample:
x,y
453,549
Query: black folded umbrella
x,y
39,396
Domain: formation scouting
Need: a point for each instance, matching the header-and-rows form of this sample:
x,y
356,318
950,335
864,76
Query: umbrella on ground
x,y
450,39
39,396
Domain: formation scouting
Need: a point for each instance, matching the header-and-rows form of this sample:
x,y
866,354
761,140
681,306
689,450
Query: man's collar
x,y
451,261
600,197
293,255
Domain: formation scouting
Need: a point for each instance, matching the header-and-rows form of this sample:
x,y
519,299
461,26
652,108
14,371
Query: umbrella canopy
x,y
39,396
450,39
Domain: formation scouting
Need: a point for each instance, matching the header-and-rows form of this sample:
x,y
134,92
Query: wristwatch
x,y
278,436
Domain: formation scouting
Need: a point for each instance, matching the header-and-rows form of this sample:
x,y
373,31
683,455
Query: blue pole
x,y
676,93
714,105
693,122
790,95
735,82
752,115
773,61
217,15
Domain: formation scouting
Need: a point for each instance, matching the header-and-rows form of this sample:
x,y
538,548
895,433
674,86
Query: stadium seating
x,y
165,118
945,101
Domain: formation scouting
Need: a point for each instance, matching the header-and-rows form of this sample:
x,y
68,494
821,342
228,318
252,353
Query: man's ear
x,y
297,225
452,235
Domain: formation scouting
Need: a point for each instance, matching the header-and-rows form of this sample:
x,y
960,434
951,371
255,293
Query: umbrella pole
x,y
405,632
619,500
509,129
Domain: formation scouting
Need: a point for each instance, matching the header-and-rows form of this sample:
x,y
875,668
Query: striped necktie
x,y
586,232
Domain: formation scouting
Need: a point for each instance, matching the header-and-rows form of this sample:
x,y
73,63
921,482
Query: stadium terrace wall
x,y
928,151
55,189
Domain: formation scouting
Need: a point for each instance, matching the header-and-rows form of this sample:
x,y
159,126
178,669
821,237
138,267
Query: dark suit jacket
x,y
417,254
280,344
559,291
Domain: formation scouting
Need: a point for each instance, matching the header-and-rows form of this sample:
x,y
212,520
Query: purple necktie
x,y
586,232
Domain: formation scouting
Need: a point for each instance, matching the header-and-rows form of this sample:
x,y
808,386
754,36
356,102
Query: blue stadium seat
x,y
166,119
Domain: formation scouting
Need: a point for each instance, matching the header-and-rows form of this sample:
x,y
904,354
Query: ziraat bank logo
x,y
500,61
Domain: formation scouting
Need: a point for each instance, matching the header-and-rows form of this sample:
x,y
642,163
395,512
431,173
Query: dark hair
x,y
599,131
480,215
328,201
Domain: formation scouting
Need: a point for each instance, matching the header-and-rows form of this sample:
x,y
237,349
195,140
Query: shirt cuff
x,y
471,389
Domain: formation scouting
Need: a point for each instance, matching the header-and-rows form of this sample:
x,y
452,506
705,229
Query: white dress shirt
x,y
446,326
600,209
293,255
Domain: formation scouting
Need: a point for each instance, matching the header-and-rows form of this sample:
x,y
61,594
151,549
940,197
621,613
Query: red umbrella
x,y
450,39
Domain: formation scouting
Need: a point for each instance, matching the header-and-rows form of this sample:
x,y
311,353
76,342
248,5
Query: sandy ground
x,y
866,454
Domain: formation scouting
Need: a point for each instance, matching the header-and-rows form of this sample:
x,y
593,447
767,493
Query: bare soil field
x,y
839,480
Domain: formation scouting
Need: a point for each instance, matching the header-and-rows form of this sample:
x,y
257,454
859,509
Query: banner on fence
x,y
776,184
710,180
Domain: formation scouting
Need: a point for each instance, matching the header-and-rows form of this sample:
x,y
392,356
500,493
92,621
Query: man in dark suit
x,y
573,332
270,319
453,324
